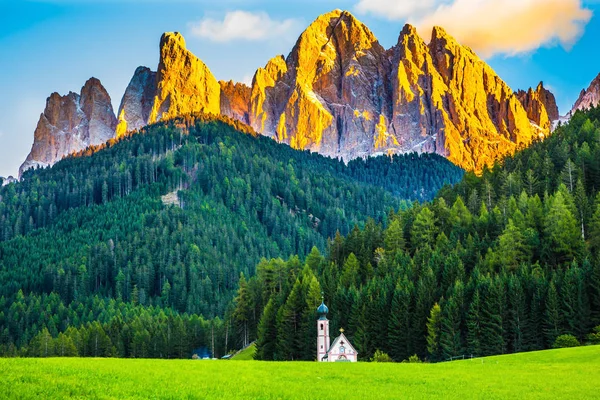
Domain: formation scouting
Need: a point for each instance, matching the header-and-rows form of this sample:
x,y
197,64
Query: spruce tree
x,y
266,341
433,333
474,330
400,319
553,320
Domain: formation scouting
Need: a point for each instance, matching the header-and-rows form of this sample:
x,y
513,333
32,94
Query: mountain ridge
x,y
342,94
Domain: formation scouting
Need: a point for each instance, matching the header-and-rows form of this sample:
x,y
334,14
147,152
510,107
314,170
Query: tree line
x,y
95,224
504,262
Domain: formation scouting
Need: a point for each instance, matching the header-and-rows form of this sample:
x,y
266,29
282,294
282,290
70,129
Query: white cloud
x,y
493,26
396,9
244,25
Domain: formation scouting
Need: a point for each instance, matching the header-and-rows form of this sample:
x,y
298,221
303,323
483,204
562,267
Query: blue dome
x,y
322,311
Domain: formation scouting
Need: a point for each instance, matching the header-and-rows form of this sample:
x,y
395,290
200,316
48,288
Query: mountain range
x,y
338,93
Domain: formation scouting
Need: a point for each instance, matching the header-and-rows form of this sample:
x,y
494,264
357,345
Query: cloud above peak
x,y
492,27
244,25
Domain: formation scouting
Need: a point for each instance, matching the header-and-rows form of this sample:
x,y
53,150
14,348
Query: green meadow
x,y
565,374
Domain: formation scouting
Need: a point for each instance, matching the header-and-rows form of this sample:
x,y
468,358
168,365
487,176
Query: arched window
x,y
321,326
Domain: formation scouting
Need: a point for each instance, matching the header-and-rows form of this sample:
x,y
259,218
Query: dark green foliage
x,y
565,341
511,269
95,225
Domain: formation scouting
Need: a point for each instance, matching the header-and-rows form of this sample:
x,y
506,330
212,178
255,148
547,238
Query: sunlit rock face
x,y
341,94
481,118
184,83
338,92
137,102
71,123
265,99
235,100
540,106
329,96
590,97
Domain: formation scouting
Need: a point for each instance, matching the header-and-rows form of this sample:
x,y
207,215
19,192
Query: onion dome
x,y
322,311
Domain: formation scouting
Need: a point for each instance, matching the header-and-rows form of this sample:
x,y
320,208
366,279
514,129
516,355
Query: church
x,y
340,350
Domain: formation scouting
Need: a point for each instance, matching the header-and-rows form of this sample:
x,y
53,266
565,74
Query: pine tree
x,y
350,272
451,342
423,231
401,346
290,324
517,323
433,333
594,293
512,249
561,228
243,309
266,342
553,320
474,331
394,238
492,341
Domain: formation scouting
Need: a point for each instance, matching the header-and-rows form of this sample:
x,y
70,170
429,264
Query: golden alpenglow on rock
x,y
540,106
137,101
335,76
481,118
588,98
263,97
340,93
184,83
235,100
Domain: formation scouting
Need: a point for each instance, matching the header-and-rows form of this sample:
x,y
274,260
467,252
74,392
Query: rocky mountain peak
x,y
184,82
137,101
235,100
589,97
338,92
540,105
71,123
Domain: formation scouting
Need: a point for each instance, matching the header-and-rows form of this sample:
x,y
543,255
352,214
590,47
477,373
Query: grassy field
x,y
247,354
554,374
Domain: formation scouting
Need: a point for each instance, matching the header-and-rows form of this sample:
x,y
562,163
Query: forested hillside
x,y
501,263
120,249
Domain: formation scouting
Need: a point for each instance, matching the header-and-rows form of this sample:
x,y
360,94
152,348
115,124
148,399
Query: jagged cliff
x,y
588,97
70,123
235,100
137,102
540,105
340,93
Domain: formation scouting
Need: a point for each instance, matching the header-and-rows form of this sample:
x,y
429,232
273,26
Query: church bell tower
x,y
322,332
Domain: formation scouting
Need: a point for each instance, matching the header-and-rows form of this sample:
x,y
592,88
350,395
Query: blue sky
x,y
56,45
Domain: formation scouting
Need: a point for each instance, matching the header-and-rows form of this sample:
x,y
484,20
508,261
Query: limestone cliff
x,y
70,123
341,94
588,97
338,92
329,96
235,100
264,99
137,102
482,118
540,106
184,83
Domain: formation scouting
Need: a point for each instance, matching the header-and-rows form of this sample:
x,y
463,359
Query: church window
x,y
321,326
342,349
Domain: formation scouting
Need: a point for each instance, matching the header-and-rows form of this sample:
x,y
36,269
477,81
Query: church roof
x,y
337,339
322,311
